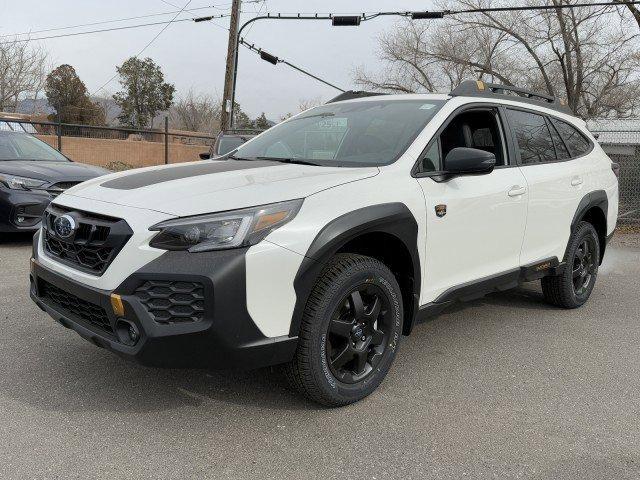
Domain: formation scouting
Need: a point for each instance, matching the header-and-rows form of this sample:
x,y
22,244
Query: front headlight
x,y
217,231
20,183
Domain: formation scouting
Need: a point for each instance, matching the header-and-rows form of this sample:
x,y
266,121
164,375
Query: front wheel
x,y
573,287
350,331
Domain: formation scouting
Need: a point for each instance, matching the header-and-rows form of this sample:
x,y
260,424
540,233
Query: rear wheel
x,y
574,286
350,331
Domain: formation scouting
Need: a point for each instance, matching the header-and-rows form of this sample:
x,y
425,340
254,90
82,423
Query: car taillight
x,y
616,169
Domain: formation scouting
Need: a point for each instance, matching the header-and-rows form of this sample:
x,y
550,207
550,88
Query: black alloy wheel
x,y
358,333
350,331
572,287
584,266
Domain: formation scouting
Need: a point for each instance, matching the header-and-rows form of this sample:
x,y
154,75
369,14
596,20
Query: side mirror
x,y
205,156
462,160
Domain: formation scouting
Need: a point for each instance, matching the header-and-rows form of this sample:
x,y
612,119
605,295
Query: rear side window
x,y
576,142
561,148
533,137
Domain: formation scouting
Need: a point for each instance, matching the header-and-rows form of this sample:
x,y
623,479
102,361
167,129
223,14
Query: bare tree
x,y
196,113
22,72
307,103
633,8
586,55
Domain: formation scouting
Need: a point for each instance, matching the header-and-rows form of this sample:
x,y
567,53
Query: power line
x,y
113,29
303,16
259,12
125,19
540,7
275,60
105,22
147,45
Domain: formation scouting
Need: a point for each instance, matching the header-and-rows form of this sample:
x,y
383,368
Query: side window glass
x,y
533,137
561,149
431,159
474,129
576,142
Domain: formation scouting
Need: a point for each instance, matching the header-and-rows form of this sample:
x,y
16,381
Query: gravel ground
x,y
503,387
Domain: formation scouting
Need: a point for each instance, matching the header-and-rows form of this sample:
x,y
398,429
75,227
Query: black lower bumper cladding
x,y
218,333
21,211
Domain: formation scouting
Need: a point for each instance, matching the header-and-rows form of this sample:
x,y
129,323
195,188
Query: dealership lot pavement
x,y
503,387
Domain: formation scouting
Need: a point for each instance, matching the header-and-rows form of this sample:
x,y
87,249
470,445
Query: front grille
x,y
87,311
57,188
92,246
172,301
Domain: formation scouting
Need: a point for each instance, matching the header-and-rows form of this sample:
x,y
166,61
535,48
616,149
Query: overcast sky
x,y
192,55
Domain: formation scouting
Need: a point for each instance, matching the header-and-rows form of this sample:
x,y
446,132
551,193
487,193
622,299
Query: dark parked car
x,y
31,175
228,141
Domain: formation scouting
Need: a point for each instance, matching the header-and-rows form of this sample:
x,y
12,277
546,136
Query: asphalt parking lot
x,y
504,387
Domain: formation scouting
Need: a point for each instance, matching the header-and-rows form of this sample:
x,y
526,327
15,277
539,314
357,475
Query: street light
x,y
336,20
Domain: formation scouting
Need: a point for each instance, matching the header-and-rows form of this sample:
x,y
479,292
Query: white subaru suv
x,y
321,242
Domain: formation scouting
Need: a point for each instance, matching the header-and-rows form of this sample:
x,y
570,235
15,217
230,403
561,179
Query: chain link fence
x,y
623,146
113,147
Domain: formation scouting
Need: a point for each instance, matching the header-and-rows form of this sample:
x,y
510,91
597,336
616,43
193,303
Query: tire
x,y
350,331
573,287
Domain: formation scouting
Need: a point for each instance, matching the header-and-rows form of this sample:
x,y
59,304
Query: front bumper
x,y
224,337
27,205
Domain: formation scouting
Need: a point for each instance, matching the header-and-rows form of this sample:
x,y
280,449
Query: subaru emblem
x,y
64,226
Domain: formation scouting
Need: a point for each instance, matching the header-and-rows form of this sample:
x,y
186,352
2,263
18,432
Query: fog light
x,y
134,335
20,219
128,333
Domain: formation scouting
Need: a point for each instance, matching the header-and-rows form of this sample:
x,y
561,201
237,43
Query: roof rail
x,y
478,88
350,94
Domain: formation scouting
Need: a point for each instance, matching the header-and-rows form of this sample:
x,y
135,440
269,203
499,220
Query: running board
x,y
494,283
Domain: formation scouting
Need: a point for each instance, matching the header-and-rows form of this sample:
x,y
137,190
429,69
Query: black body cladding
x,y
225,336
594,201
390,218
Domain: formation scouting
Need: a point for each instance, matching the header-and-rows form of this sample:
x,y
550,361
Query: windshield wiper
x,y
233,157
325,114
289,160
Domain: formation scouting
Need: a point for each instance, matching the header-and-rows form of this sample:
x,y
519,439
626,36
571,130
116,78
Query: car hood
x,y
215,185
51,171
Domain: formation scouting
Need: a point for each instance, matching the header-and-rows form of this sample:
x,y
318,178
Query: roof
x,y
397,96
479,88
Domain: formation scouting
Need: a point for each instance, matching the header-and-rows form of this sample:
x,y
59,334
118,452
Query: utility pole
x,y
226,120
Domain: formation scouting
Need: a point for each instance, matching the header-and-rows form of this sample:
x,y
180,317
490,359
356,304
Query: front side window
x,y
22,146
576,142
471,129
533,136
363,133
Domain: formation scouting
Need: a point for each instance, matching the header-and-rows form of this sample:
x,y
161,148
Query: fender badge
x,y
441,210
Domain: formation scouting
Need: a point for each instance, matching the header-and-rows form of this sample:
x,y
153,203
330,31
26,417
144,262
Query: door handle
x,y
575,181
516,191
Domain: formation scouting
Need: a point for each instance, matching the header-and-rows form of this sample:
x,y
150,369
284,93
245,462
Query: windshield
x,y
365,133
22,146
227,144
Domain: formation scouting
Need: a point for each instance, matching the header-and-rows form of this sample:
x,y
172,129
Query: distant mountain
x,y
31,106
41,106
